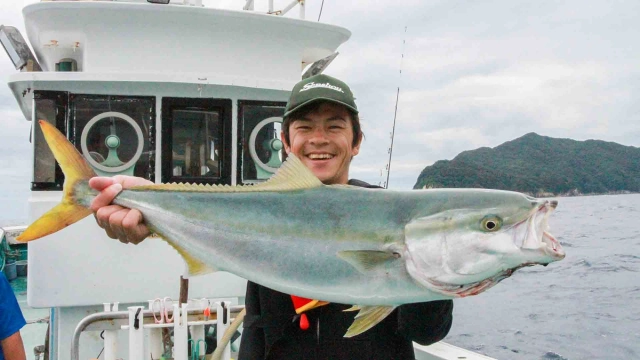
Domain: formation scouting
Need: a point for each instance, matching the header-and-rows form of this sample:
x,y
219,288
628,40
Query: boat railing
x,y
250,5
186,320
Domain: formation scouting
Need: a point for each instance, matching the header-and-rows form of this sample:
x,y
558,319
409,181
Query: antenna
x,y
395,113
321,6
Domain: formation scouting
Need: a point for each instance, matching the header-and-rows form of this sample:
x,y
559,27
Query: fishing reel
x,y
266,152
111,165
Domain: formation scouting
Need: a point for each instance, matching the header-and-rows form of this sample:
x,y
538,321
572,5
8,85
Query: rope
x,y
222,344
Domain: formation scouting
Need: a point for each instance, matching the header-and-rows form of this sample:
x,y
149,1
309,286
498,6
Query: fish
x,y
375,249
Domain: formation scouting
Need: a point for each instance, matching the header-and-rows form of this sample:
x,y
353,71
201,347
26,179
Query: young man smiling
x,y
322,128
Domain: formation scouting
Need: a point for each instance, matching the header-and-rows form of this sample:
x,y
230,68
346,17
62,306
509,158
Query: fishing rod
x,y
395,113
321,6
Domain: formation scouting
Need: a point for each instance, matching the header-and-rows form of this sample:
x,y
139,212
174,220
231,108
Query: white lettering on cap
x,y
313,85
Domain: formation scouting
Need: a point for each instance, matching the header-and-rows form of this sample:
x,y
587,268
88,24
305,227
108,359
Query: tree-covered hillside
x,y
540,165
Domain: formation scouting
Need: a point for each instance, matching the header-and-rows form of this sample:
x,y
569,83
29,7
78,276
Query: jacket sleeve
x,y
252,345
425,323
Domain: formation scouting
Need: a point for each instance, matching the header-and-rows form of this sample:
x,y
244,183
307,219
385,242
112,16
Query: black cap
x,y
320,87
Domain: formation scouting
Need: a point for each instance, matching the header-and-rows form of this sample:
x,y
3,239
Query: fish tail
x,y
77,173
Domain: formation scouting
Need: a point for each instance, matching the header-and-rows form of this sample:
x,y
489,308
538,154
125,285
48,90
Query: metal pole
x,y
248,5
180,332
110,336
224,319
302,14
197,331
136,333
84,323
155,338
289,7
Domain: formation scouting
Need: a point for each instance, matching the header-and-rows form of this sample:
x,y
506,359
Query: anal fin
x,y
368,317
195,266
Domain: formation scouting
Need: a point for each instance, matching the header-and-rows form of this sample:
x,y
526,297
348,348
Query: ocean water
x,y
586,306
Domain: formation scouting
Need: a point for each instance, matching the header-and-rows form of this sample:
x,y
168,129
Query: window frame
x,y
74,136
61,99
224,108
241,139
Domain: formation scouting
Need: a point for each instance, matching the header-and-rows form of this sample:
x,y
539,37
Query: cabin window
x,y
259,127
196,140
115,133
50,106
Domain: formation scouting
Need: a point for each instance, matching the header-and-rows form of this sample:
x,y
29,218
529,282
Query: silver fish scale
x,y
289,240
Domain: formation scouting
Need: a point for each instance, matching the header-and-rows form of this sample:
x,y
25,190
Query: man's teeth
x,y
319,156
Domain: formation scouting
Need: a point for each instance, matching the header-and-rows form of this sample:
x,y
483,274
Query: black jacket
x,y
272,328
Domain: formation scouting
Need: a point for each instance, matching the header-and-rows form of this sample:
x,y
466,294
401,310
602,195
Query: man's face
x,y
323,140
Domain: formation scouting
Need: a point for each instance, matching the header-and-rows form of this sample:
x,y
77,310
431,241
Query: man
x,y
11,321
322,128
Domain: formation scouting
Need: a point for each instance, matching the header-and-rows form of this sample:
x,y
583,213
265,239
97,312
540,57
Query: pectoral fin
x,y
368,260
368,317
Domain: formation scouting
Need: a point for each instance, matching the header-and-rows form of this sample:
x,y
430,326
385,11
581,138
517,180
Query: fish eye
x,y
491,223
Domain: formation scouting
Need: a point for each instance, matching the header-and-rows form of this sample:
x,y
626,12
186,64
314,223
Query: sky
x,y
470,74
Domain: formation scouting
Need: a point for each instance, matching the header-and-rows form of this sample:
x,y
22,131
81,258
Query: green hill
x,y
540,165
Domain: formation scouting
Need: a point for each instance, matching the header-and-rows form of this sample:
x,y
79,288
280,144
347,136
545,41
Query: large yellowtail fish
x,y
377,249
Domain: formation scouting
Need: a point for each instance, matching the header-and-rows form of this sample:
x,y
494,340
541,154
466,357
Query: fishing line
x,y
395,113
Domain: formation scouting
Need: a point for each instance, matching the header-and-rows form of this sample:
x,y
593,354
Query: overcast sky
x,y
475,73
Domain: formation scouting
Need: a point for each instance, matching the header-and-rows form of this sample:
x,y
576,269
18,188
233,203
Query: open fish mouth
x,y
532,236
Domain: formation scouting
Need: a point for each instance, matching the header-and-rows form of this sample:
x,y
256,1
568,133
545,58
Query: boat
x,y
172,91
13,254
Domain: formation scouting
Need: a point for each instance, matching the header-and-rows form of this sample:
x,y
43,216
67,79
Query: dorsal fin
x,y
292,175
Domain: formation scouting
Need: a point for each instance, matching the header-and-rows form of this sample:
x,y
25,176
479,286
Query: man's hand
x,y
120,223
13,348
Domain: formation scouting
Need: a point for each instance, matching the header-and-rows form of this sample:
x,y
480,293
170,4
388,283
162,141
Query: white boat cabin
x,y
168,92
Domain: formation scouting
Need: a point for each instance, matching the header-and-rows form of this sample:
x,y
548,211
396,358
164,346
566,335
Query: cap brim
x,y
320,99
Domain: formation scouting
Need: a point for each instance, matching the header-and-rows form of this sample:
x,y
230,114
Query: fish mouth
x,y
533,239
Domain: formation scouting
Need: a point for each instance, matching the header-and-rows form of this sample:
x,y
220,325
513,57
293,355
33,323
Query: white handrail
x,y
110,336
250,6
111,321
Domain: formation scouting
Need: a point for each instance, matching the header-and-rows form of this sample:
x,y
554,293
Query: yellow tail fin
x,y
75,169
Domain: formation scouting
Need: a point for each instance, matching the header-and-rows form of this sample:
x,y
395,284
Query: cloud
x,y
473,74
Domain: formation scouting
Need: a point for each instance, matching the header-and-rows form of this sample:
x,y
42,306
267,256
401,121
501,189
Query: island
x,y
541,166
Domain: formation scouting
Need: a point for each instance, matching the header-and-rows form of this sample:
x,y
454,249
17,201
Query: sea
x,y
586,306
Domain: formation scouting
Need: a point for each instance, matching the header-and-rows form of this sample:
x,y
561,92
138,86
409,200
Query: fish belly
x,y
287,242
